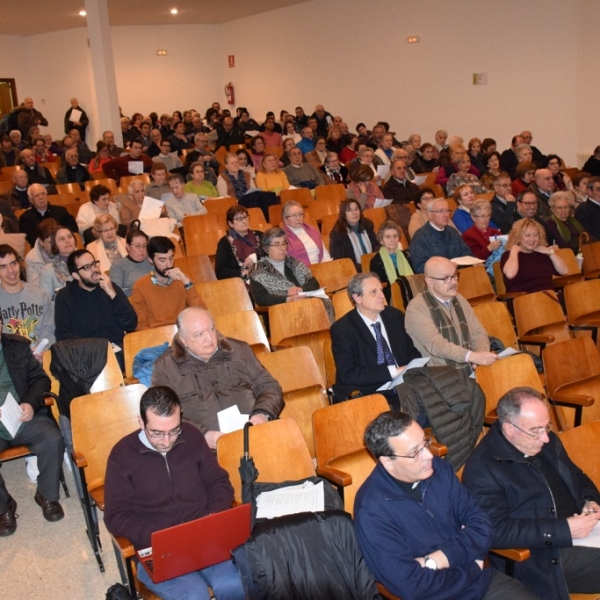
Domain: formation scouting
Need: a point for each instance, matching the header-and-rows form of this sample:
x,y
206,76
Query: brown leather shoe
x,y
52,510
8,519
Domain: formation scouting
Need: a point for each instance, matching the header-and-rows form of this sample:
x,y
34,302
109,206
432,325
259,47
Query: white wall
x,y
352,57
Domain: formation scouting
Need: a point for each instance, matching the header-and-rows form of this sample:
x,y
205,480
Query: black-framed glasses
x,y
448,278
158,435
537,433
89,266
280,245
416,453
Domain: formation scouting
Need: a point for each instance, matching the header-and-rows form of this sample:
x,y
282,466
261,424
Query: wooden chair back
x,y
324,207
334,191
139,340
330,368
257,219
203,242
378,216
72,188
475,285
341,304
485,196
503,375
591,260
365,261
125,181
339,447
578,442
582,300
53,166
6,187
301,323
497,322
572,370
573,275
198,268
10,170
499,279
111,184
327,223
277,448
301,195
246,326
303,386
199,224
225,296
276,150
219,207
334,275
540,316
64,199
98,422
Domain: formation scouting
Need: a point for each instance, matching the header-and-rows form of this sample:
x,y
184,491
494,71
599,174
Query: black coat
x,y
355,352
340,245
30,219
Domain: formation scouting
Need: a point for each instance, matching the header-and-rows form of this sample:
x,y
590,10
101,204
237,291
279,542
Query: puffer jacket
x,y
454,403
233,376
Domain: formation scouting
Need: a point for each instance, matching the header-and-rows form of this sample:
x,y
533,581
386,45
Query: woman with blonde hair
x,y
109,247
529,263
270,178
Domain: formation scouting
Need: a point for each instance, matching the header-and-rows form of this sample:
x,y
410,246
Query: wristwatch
x,y
430,563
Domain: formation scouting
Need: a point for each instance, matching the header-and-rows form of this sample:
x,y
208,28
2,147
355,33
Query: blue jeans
x,y
223,578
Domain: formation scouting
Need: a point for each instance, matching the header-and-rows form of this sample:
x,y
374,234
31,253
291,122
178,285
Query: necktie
x,y
384,354
448,305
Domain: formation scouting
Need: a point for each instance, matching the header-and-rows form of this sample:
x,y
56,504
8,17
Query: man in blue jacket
x,y
421,532
536,498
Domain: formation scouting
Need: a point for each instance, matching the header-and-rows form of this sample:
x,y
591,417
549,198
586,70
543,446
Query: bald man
x,y
543,187
442,323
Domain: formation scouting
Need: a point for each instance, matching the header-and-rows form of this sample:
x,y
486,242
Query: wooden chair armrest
x,y
336,477
280,347
516,554
438,449
49,398
79,460
130,380
125,546
572,399
536,338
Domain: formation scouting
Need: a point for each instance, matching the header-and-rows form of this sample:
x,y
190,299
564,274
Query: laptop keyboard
x,y
150,564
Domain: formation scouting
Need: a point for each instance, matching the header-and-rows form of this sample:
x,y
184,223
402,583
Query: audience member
x,y
305,241
159,186
198,184
55,274
41,251
234,182
543,187
119,167
362,187
100,204
302,174
588,212
503,203
181,204
564,229
126,271
270,178
478,237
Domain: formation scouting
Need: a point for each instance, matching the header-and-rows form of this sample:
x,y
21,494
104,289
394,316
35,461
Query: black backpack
x,y
118,592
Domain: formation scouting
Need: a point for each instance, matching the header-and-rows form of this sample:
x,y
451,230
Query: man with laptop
x,y
163,476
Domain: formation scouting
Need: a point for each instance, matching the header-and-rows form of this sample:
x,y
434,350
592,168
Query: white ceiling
x,y
43,16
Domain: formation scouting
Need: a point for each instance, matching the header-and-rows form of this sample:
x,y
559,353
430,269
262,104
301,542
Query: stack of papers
x,y
11,414
320,293
306,497
230,419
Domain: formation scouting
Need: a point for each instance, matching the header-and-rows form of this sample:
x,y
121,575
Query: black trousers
x,y
503,587
42,436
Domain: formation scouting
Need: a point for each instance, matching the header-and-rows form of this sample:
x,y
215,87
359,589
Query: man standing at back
x,y
165,475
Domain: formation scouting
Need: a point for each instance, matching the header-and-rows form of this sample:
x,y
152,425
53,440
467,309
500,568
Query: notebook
x,y
195,545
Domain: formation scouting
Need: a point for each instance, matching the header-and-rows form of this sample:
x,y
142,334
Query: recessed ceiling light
x,y
174,11
82,13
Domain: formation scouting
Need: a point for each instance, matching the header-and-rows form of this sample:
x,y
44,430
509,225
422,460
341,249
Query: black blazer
x,y
340,245
355,352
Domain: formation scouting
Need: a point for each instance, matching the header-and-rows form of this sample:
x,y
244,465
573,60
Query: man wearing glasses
x,y
91,306
435,238
442,323
421,532
164,475
588,213
536,498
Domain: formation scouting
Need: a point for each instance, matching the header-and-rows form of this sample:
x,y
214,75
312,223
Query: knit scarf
x,y
274,282
446,327
60,269
388,264
239,183
564,230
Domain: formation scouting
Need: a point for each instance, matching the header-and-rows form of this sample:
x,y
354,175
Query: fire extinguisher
x,y
229,93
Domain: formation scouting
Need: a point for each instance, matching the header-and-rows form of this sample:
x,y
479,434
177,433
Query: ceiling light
x,y
174,11
82,13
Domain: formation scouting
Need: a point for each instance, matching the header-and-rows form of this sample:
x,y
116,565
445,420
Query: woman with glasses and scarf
x,y
233,181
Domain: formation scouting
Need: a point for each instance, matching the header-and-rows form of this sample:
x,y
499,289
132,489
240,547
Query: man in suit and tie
x,y
370,344
442,323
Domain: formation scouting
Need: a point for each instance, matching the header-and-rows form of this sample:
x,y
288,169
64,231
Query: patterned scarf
x,y
446,327
238,182
60,269
564,230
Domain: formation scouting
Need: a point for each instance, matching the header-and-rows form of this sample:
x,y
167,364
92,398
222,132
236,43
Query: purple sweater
x,y
146,491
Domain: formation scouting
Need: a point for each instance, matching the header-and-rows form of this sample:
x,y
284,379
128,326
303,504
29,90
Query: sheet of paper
x,y
251,133
382,202
75,115
502,238
320,293
413,364
11,413
467,261
151,208
230,419
135,167
383,171
419,179
306,497
508,352
591,541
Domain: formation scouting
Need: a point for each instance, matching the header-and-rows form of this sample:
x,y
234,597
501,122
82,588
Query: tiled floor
x,y
51,561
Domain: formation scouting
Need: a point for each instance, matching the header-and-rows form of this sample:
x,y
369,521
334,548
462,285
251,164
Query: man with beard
x,y
161,295
91,306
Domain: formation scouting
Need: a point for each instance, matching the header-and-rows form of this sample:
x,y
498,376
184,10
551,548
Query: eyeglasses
x,y
139,246
294,216
447,278
445,211
109,230
415,454
529,203
538,432
244,218
158,435
89,266
481,216
282,245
